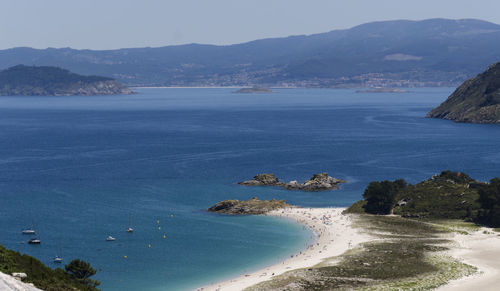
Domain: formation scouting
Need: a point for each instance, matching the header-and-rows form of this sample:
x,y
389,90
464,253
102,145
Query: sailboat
x,y
58,258
110,238
129,229
29,230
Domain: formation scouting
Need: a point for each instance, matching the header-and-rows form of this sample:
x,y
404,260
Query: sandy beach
x,y
482,251
334,235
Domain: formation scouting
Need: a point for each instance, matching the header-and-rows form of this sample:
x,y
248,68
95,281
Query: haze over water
x,y
78,167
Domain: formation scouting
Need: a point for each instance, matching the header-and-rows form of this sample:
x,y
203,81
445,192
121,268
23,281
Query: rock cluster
x,y
251,206
263,180
318,182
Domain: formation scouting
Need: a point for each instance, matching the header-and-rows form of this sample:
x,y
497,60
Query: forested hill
x,y
434,52
53,81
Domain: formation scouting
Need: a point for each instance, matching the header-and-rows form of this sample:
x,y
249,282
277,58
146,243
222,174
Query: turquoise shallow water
x,y
80,166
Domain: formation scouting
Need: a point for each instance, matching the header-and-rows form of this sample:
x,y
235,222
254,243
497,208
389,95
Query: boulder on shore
x,y
251,206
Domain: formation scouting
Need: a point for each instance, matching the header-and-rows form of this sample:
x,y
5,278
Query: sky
x,y
111,24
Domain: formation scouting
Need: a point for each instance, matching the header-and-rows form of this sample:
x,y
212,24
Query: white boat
x,y
110,238
28,231
58,259
129,229
34,241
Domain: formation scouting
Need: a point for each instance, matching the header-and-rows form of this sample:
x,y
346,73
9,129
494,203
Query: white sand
x,y
334,236
8,283
480,250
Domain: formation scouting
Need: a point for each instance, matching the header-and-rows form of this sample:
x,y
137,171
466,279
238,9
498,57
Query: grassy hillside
x,y
449,195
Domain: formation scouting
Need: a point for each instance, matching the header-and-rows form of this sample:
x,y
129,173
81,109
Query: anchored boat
x,y
34,241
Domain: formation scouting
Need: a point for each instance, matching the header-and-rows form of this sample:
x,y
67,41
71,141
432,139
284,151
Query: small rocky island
x,y
318,182
53,81
254,90
477,100
382,90
251,206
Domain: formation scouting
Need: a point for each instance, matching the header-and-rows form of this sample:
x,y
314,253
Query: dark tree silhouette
x,y
81,270
380,196
489,197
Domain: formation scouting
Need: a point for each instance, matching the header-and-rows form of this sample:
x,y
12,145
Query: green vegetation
x,y
450,195
407,258
477,100
53,81
44,277
82,271
380,196
489,197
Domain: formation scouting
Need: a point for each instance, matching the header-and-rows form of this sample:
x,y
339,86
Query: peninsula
x,y
431,241
53,81
477,100
318,182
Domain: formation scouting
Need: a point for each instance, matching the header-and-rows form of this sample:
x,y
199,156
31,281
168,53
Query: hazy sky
x,y
107,24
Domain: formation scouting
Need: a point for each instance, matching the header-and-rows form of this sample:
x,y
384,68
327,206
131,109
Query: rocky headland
x,y
251,206
318,182
477,100
52,81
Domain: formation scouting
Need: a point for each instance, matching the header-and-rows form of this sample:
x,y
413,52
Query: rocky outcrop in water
x,y
318,182
254,90
251,206
263,180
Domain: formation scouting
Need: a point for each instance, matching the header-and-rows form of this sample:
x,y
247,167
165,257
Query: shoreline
x,y
334,235
482,251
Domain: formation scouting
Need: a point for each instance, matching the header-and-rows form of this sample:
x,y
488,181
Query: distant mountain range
x,y
434,52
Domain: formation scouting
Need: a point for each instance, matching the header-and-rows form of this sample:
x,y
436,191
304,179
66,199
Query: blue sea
x,y
78,168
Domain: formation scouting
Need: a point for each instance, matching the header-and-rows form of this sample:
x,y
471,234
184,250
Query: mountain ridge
x,y
433,52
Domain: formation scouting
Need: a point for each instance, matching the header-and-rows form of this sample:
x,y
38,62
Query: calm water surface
x,y
79,167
